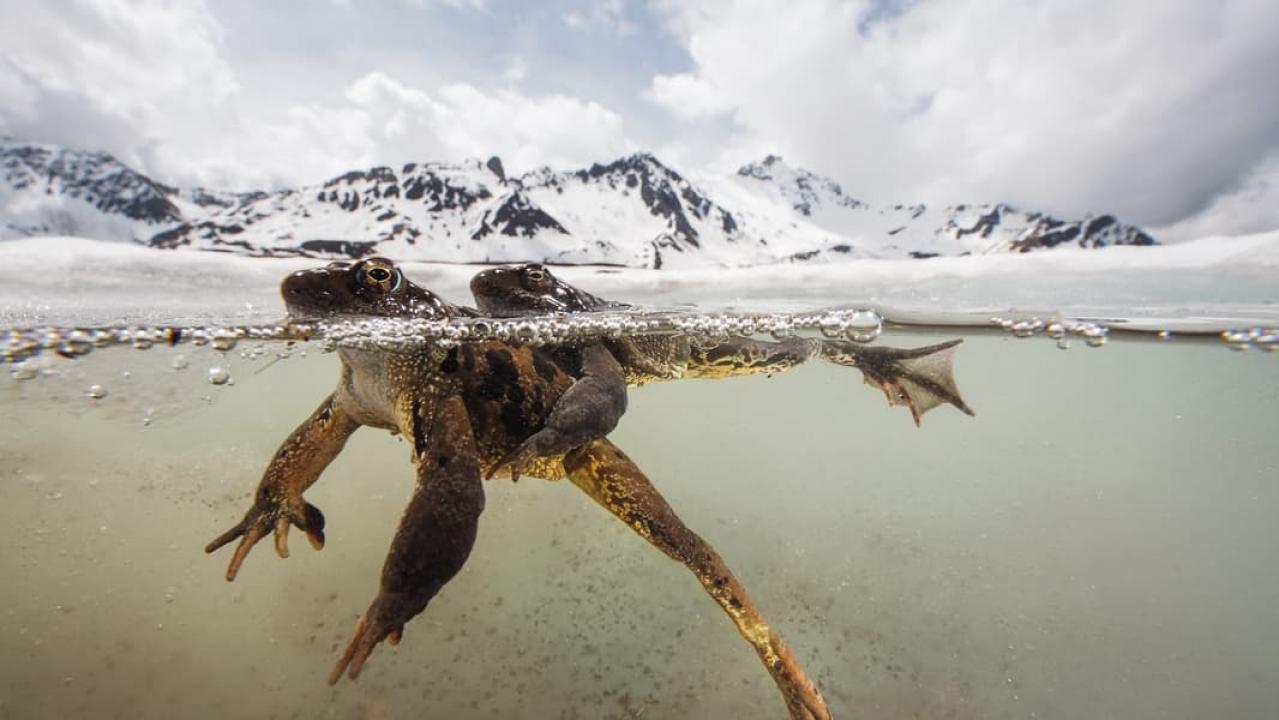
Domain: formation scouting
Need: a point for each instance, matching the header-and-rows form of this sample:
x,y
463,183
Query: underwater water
x,y
1097,542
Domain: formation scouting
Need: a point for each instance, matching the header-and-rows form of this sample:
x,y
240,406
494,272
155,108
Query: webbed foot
x,y
267,515
918,378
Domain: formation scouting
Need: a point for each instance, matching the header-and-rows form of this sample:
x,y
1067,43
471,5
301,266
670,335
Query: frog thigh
x,y
435,535
614,481
743,356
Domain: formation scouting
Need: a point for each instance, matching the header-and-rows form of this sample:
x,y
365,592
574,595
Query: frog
x,y
919,379
463,409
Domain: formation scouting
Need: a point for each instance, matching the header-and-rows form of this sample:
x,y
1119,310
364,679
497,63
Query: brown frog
x,y
465,410
918,378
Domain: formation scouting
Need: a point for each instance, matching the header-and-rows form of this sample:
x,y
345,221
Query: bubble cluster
x,y
19,347
407,335
1259,338
1093,334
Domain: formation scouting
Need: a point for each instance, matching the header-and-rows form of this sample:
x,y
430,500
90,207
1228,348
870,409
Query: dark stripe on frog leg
x,y
450,364
468,358
501,365
616,483
544,367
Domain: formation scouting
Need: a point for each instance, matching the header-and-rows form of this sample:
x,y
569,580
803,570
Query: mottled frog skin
x,y
919,378
465,411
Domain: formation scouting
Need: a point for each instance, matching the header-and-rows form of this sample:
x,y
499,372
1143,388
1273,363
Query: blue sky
x,y
1161,111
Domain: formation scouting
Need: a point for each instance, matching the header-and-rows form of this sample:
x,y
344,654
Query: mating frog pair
x,y
505,408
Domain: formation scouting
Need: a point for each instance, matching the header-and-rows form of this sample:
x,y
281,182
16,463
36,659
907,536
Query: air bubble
x,y
1095,336
223,340
864,326
95,392
219,376
24,370
831,326
179,362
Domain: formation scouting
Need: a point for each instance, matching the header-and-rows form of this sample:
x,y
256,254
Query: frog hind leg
x,y
919,378
589,409
742,356
435,535
612,480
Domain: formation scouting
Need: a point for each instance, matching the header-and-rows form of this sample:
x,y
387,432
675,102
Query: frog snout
x,y
308,287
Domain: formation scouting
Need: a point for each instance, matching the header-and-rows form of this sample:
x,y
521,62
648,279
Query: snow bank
x,y
1220,281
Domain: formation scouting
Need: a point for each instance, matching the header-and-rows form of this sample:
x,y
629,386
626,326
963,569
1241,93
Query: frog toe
x,y
384,620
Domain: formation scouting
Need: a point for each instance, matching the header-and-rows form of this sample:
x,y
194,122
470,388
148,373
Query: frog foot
x,y
271,514
384,620
919,379
543,443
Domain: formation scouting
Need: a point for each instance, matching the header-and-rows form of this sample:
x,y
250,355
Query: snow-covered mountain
x,y
52,190
923,231
634,211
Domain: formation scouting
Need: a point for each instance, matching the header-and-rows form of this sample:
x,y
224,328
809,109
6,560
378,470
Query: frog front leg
x,y
612,480
435,535
743,356
278,502
589,409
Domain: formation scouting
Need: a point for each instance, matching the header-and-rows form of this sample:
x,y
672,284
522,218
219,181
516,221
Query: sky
x,y
1163,112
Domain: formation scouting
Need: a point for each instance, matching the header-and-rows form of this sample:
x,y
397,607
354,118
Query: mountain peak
x,y
805,191
634,210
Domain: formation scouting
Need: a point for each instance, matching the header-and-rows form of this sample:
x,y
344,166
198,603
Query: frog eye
x,y
535,275
380,275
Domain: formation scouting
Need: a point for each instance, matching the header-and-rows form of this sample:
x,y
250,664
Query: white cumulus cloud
x,y
1147,109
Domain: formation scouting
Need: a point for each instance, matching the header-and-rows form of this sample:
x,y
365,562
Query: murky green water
x,y
1098,542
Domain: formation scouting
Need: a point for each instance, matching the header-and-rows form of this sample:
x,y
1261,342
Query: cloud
x,y
150,82
688,96
1148,109
85,71
1252,207
609,15
382,120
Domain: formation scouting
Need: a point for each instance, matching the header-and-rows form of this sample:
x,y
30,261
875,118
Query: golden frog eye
x,y
381,277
